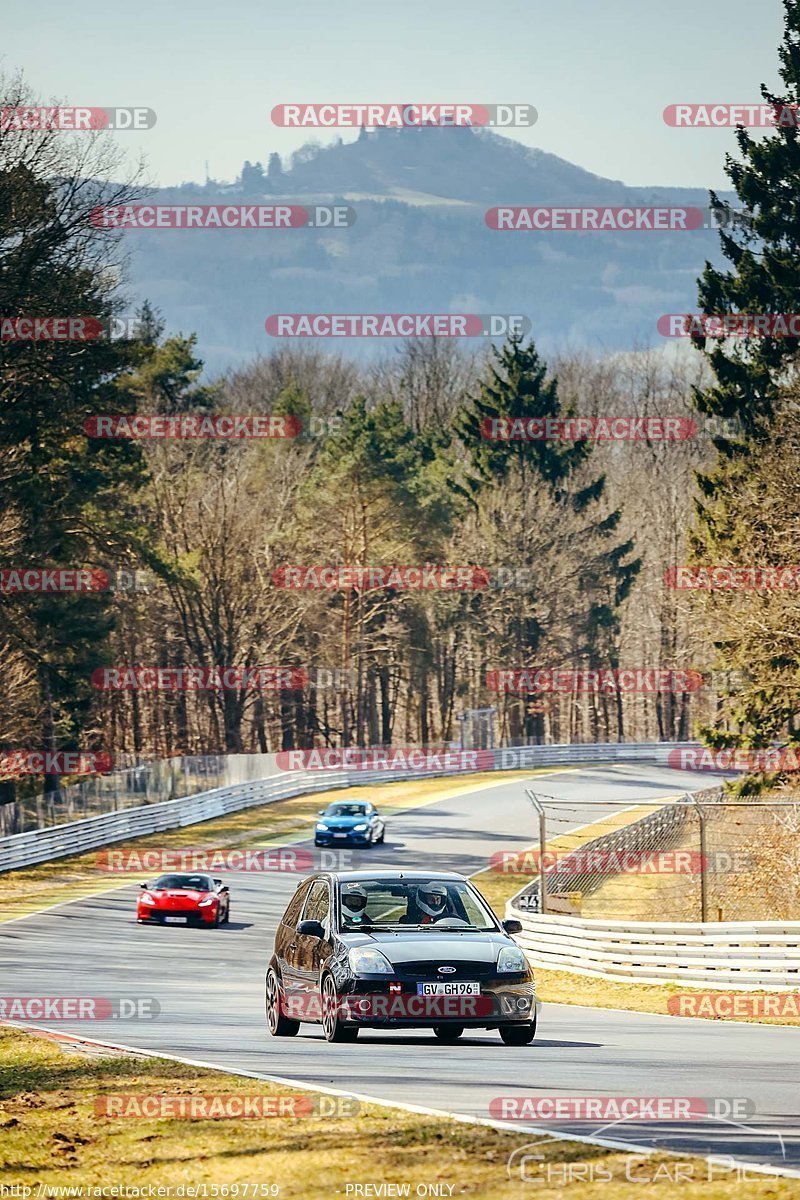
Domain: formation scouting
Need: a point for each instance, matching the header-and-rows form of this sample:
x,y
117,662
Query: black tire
x,y
277,1023
448,1033
333,1026
518,1035
227,914
383,835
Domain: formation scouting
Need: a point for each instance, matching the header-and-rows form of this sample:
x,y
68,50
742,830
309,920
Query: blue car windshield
x,y
345,810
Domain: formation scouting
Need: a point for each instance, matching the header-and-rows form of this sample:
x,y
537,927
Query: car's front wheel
x,y
518,1035
279,1025
448,1033
333,1026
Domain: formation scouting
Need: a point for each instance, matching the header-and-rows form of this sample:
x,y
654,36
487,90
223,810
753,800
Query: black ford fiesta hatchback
x,y
394,950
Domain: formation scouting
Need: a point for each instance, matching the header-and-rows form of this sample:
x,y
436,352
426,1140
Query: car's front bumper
x,y
195,916
347,839
367,1004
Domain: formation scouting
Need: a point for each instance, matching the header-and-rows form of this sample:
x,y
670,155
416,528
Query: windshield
x,y
419,904
198,883
345,810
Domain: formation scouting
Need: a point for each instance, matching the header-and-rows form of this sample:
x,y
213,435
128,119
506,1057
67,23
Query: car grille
x,y
427,969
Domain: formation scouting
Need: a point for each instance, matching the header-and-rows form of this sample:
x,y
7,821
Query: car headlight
x,y
360,828
511,959
321,825
205,903
146,898
369,961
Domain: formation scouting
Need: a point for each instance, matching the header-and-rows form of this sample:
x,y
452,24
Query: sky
x,y
599,72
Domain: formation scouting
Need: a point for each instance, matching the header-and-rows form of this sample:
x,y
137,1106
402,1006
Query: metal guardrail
x,y
744,955
76,837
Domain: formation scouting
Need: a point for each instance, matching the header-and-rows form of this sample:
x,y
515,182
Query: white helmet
x,y
432,899
354,900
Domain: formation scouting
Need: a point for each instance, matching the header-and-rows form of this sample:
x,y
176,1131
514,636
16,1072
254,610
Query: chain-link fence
x,y
134,784
700,857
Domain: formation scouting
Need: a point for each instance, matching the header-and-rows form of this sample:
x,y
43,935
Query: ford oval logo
x,y
446,970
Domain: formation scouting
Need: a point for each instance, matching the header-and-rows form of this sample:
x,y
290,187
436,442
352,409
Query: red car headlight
x,y
146,898
208,900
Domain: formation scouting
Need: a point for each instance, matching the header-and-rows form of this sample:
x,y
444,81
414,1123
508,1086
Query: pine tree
x,y
764,252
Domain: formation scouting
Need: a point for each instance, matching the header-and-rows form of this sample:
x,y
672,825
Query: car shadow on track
x,y
370,1037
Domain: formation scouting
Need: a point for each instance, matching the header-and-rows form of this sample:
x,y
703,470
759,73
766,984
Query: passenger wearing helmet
x,y
432,903
354,905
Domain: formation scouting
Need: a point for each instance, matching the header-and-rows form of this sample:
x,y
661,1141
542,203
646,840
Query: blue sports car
x,y
351,822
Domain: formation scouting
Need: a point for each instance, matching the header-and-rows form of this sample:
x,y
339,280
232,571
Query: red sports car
x,y
184,900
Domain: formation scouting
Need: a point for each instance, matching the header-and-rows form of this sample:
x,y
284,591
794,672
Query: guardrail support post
x,y
539,807
703,882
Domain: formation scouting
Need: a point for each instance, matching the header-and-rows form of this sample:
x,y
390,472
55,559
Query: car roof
x,y
357,876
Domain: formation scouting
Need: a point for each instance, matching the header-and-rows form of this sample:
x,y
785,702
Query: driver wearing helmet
x,y
354,905
432,903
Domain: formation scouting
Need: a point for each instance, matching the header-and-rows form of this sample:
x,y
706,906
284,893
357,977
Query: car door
x,y
312,951
286,943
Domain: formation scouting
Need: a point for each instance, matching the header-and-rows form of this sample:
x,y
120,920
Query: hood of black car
x,y
442,948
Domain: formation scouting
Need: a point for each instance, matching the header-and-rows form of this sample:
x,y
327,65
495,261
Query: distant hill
x,y
420,244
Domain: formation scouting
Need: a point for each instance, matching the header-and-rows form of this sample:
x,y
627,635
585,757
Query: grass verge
x,y
52,1138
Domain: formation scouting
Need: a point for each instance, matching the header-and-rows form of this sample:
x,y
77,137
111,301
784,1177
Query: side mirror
x,y
311,929
144,886
217,883
320,812
512,925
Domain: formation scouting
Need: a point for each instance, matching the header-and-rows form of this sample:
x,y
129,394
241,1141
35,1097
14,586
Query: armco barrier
x,y
61,841
743,955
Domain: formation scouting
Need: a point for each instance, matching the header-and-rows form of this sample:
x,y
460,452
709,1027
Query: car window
x,y
292,915
198,883
318,904
394,902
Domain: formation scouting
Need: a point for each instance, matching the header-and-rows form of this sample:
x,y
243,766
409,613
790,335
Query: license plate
x,y
453,987
175,920
340,835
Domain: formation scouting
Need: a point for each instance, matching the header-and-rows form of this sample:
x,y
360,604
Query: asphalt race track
x,y
210,986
